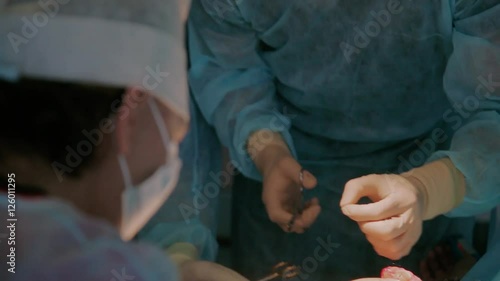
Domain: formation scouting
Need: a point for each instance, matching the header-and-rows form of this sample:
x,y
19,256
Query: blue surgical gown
x,y
53,241
354,87
488,267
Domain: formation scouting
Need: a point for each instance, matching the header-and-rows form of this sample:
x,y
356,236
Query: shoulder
x,y
101,259
56,242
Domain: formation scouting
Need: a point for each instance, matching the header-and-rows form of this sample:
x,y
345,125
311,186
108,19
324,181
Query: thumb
x,y
375,187
355,189
309,181
299,175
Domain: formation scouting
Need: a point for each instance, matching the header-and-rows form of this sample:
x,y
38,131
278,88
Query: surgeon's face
x,y
138,139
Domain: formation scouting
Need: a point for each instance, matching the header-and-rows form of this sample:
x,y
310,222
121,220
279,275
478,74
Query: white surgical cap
x,y
111,42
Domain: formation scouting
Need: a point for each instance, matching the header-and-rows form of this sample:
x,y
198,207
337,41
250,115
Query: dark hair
x,y
43,118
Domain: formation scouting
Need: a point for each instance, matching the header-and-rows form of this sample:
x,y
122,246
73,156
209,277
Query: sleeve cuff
x,y
271,121
474,202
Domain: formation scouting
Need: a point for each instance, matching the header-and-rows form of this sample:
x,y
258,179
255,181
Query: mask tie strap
x,y
125,171
165,137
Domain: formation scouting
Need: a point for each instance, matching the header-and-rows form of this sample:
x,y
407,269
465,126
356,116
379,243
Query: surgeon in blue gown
x,y
344,89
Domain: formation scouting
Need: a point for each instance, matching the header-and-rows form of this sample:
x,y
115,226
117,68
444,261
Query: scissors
x,y
283,271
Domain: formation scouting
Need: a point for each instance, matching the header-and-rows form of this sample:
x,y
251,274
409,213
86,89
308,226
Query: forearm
x,y
265,148
441,186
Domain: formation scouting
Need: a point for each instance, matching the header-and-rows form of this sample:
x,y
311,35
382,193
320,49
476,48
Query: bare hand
x,y
282,185
282,196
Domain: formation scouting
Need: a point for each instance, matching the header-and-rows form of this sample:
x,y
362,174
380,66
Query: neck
x,y
96,193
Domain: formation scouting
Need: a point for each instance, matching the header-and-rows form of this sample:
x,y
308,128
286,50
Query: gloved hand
x,y
208,271
182,252
281,183
393,223
185,256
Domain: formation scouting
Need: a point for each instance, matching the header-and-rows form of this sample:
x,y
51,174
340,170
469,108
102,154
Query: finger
x,y
450,259
280,180
378,188
358,188
384,209
309,181
275,202
308,216
394,249
278,215
312,202
284,220
440,275
304,220
293,229
444,258
433,263
292,170
425,271
385,230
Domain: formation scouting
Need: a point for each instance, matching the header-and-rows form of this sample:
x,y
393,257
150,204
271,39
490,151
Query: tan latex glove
x,y
208,271
393,222
180,253
281,183
185,256
441,184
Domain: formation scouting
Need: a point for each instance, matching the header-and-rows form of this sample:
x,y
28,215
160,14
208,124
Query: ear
x,y
126,118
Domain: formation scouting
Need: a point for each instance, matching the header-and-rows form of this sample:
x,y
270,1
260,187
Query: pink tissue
x,y
399,274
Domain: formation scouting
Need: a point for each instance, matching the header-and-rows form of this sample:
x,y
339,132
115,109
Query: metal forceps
x,y
282,271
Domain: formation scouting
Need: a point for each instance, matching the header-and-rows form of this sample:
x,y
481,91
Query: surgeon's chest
x,y
340,26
